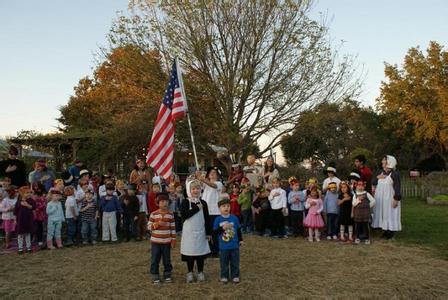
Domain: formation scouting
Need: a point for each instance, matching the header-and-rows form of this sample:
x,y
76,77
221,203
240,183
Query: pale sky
x,y
46,46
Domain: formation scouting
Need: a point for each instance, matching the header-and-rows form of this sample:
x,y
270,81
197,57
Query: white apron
x,y
385,216
194,241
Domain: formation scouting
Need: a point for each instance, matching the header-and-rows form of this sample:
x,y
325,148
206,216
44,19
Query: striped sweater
x,y
162,227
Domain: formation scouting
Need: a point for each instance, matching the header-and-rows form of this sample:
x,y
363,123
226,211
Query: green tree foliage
x,y
331,132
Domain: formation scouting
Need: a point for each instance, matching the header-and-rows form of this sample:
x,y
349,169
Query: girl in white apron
x,y
196,231
387,212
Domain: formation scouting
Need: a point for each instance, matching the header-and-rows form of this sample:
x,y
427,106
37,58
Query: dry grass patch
x,y
290,268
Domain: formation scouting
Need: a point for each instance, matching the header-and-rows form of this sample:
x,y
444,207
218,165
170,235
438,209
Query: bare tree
x,y
261,62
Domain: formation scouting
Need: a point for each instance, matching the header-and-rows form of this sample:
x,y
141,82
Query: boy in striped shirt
x,y
163,238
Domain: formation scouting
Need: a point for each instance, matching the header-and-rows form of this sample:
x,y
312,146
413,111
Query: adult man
x,y
364,171
13,168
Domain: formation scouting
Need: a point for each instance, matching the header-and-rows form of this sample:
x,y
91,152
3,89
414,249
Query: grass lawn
x,y
441,197
414,265
425,225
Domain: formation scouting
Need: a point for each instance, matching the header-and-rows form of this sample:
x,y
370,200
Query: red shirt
x,y
366,174
235,208
151,202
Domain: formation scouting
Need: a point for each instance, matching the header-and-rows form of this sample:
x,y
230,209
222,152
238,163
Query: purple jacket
x,y
24,217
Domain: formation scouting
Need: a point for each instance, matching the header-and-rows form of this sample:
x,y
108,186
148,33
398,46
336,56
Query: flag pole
x,y
181,83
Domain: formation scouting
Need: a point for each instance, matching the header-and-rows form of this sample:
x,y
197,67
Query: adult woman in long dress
x,y
386,187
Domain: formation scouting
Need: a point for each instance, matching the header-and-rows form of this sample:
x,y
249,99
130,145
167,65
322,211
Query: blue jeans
x,y
161,251
230,257
54,230
89,231
332,224
72,226
247,220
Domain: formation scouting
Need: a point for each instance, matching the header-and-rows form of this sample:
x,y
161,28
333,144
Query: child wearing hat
x,y
296,200
262,207
130,207
89,215
277,198
163,237
245,201
55,218
331,173
362,203
196,231
110,205
228,231
24,216
313,220
331,209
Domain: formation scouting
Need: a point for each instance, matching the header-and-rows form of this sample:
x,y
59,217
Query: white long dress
x,y
385,216
194,241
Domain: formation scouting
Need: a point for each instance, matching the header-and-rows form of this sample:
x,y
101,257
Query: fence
x,y
434,183
413,187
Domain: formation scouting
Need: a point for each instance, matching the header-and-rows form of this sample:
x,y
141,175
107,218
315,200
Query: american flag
x,y
174,106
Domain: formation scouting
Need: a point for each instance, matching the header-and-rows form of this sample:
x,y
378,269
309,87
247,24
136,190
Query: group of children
x,y
84,212
342,209
211,220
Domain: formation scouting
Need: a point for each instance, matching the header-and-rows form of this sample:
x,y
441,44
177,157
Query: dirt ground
x,y
292,268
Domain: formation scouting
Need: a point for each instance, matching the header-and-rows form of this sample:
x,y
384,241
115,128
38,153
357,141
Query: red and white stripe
x,y
179,104
161,148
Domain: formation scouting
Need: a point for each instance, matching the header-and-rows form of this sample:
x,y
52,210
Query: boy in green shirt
x,y
245,201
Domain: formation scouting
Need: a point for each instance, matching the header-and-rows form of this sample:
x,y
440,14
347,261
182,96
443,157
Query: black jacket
x,y
187,213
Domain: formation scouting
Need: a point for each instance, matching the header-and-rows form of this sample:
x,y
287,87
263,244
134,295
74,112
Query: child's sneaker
x,y
20,252
236,280
310,239
317,239
190,278
156,281
29,250
328,237
168,280
93,242
201,276
342,238
335,237
357,241
85,243
224,280
367,242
